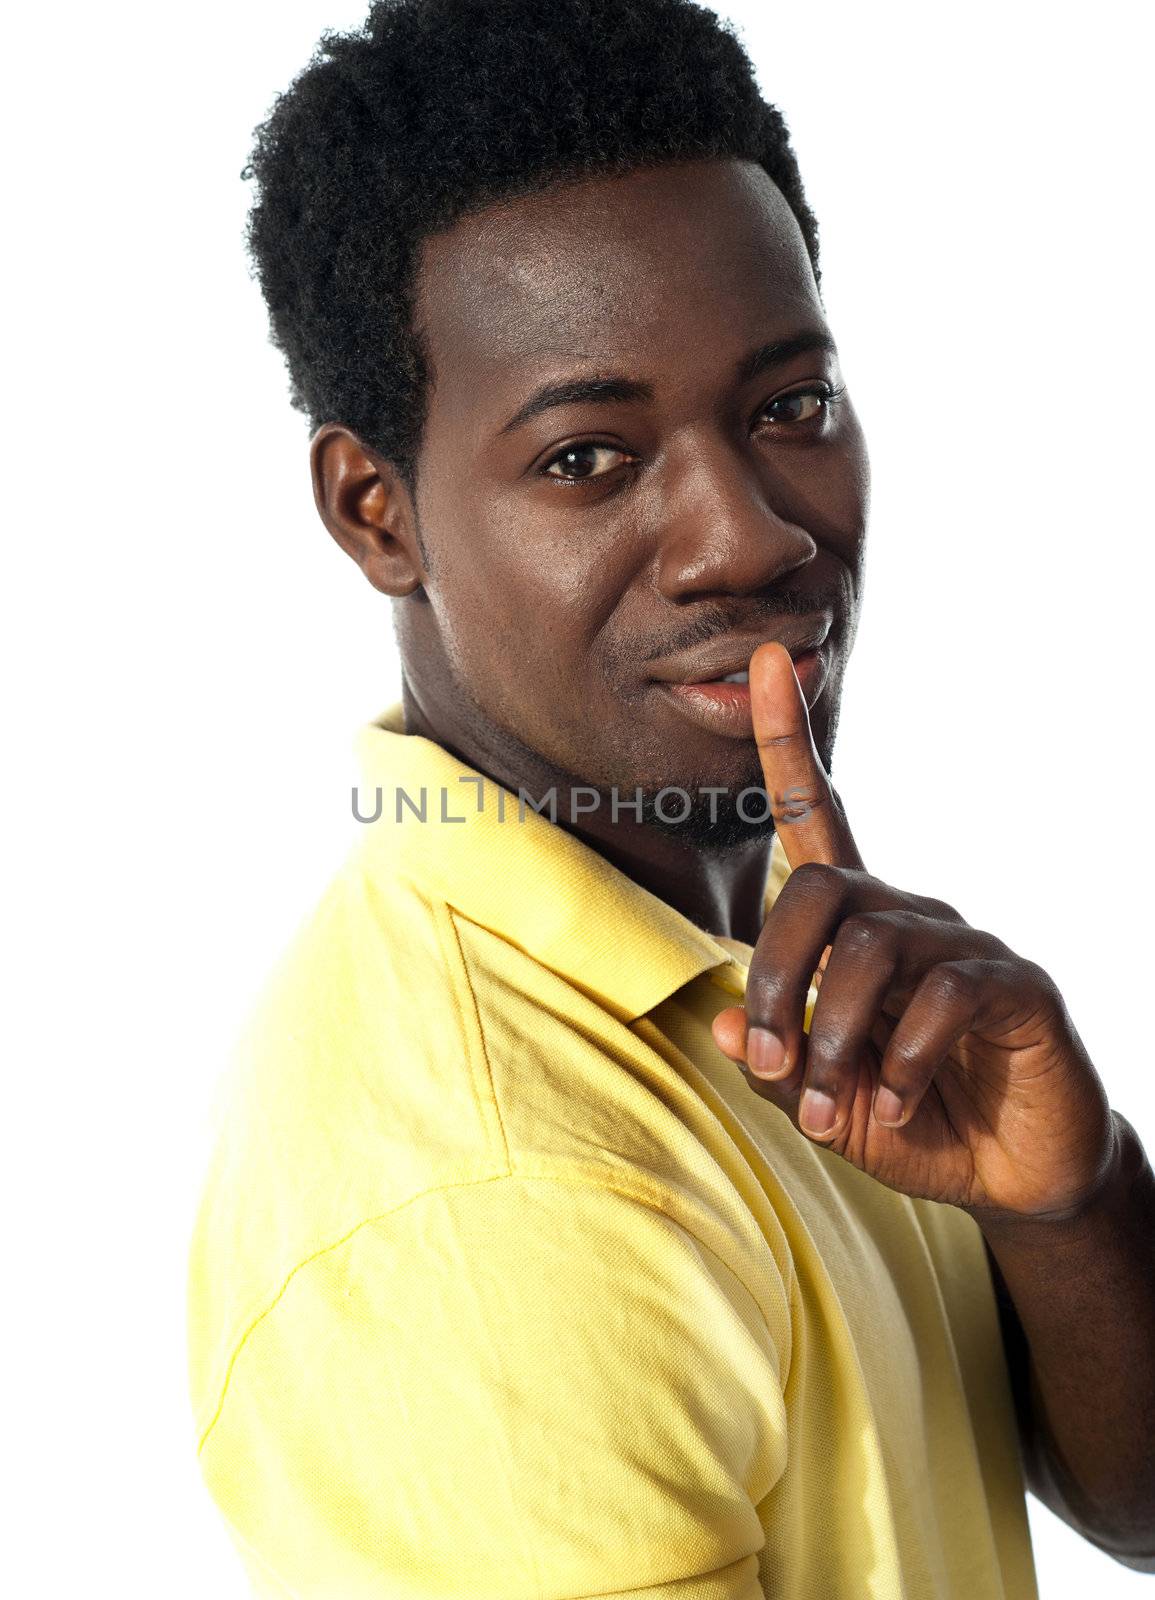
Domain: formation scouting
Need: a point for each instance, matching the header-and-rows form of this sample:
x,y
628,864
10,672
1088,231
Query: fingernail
x,y
818,1111
765,1053
887,1106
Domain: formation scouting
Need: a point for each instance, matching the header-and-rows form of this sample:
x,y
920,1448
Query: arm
x,y
947,1066
1077,1305
513,1386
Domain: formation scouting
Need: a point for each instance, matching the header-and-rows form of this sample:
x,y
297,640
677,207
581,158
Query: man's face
x,y
585,557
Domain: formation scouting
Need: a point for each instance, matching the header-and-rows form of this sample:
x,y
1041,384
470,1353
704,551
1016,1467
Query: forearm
x,y
1084,1292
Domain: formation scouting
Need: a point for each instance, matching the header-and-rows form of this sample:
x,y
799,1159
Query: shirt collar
x,y
512,870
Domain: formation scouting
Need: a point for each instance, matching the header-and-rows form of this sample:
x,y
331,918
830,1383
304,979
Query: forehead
x,y
626,267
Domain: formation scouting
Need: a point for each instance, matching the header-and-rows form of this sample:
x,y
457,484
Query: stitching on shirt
x,y
442,915
446,1188
652,1197
460,972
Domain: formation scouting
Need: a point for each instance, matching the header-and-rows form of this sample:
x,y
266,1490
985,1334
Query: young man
x,y
623,1191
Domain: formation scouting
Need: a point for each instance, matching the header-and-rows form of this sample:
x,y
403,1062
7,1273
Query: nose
x,y
721,530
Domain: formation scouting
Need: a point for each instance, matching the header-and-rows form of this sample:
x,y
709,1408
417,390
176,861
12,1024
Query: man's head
x,y
475,201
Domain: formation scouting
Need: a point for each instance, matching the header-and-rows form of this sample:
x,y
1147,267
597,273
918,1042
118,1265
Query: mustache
x,y
713,619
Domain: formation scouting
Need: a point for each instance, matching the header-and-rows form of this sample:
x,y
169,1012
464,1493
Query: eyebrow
x,y
606,390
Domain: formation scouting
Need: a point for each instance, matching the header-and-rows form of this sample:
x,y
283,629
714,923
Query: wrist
x,y
1122,1161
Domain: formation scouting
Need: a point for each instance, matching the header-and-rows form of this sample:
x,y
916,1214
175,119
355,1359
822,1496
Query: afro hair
x,y
433,109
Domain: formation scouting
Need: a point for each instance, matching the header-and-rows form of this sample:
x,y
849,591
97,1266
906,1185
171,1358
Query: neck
x,y
720,891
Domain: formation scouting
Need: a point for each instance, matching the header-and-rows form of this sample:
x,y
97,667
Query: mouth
x,y
713,690
722,705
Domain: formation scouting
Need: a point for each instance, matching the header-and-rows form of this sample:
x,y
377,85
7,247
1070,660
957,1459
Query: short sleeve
x,y
517,1387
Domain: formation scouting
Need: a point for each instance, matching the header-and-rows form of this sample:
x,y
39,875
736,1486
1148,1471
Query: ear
x,y
366,506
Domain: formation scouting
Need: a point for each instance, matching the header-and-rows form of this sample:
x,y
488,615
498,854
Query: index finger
x,y
808,815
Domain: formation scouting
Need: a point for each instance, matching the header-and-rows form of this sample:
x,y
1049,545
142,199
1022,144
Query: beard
x,y
716,822
707,820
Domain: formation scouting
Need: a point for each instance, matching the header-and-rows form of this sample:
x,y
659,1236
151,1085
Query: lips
x,y
726,708
729,656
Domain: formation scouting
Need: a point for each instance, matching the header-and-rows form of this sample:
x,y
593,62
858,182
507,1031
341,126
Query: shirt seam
x,y
657,1202
628,1192
443,915
459,969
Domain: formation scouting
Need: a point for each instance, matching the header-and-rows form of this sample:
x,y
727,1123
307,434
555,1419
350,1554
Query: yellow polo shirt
x,y
505,1284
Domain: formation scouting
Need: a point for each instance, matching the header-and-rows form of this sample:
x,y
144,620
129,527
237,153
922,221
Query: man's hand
x,y
937,1059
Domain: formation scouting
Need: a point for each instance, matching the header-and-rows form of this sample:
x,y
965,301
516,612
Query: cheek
x,y
832,503
851,482
516,607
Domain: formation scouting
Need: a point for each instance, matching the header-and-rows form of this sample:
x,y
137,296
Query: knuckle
x,y
766,994
941,910
1038,981
955,984
902,1061
1039,978
815,877
863,933
798,802
826,1054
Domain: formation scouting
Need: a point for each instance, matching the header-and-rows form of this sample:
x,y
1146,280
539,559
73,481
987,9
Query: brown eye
x,y
802,407
578,461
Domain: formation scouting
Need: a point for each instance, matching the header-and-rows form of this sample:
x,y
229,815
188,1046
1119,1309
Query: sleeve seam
x,y
475,1044
444,1188
655,1199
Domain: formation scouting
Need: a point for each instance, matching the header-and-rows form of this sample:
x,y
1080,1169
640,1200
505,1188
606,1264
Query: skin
x,y
948,1068
528,610
729,522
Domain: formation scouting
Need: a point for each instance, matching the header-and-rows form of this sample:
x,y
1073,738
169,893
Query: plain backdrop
x,y
189,656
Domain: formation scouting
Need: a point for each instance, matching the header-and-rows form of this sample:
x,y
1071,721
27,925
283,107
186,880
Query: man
x,y
622,1190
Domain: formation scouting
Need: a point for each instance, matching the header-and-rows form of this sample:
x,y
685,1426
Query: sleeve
x,y
516,1387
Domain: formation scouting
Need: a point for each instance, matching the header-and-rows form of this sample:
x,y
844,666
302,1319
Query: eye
x,y
801,407
580,461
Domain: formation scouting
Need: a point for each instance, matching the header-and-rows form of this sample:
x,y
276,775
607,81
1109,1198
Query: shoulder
x,y
345,1095
450,1359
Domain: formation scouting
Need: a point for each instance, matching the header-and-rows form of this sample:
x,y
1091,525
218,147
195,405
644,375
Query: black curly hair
x,y
435,108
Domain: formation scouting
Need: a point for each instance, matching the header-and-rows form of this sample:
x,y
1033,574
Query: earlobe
x,y
366,506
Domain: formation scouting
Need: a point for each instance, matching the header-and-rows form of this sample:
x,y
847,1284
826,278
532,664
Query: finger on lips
x,y
788,967
808,815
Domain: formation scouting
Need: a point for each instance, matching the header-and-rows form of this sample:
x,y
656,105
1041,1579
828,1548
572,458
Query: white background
x,y
190,656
